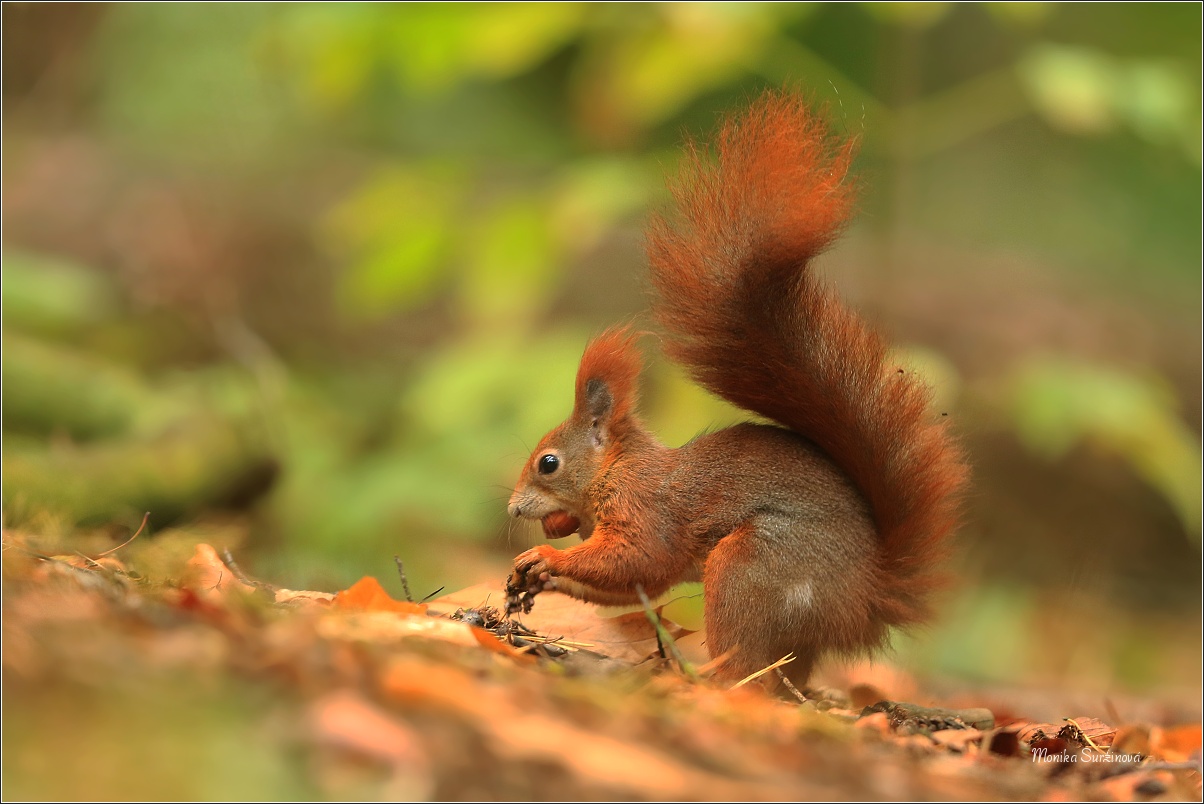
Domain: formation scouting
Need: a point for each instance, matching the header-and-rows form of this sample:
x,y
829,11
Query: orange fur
x,y
613,358
756,327
810,538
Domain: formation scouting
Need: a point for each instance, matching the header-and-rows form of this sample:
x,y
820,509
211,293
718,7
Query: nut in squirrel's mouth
x,y
559,524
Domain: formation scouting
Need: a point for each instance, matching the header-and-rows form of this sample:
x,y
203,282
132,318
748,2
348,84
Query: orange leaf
x,y
490,641
367,594
1176,744
209,577
290,597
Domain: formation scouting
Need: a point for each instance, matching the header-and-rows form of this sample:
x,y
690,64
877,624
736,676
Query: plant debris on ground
x,y
203,683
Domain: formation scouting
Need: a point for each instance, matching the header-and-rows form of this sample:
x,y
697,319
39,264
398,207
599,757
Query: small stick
x,y
239,575
663,637
44,557
428,597
145,519
401,573
555,642
787,659
91,561
561,641
793,689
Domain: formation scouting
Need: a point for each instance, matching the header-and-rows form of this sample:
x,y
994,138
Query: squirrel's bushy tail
x,y
744,312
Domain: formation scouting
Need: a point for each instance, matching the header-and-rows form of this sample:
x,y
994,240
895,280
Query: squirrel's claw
x,y
532,574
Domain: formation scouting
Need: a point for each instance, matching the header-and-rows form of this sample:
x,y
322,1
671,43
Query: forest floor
x,y
187,680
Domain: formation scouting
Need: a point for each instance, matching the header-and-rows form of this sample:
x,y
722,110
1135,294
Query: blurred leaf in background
x,y
394,233
180,85
1085,91
1059,404
51,296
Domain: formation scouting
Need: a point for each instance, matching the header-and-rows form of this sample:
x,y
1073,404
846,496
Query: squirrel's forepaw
x,y
532,574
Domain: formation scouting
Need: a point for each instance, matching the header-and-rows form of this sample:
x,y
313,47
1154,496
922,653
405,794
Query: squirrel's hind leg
x,y
745,619
782,584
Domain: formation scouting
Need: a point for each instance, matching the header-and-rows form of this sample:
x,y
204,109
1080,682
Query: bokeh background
x,y
308,281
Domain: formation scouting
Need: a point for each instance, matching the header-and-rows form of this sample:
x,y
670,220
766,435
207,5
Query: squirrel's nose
x,y
515,510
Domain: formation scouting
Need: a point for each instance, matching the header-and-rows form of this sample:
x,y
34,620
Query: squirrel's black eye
x,y
548,464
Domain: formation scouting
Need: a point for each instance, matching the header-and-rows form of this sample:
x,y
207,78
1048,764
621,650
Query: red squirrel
x,y
812,535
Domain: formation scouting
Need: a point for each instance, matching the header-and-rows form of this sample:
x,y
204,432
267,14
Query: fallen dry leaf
x,y
384,627
1132,739
209,577
1005,742
288,597
1177,743
1028,732
367,594
1089,731
387,714
956,739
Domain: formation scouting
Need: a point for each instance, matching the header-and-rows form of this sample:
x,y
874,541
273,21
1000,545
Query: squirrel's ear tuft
x,y
607,377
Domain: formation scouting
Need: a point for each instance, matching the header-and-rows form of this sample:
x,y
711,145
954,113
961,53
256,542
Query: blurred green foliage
x,y
48,296
401,222
1059,404
41,386
1086,91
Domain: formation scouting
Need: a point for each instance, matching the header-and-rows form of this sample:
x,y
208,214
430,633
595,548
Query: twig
x,y
514,630
51,559
787,659
663,637
91,561
555,642
43,556
239,575
428,597
401,573
145,519
561,641
566,643
793,689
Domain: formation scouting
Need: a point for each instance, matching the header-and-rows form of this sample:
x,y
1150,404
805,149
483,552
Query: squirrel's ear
x,y
606,381
598,405
598,400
